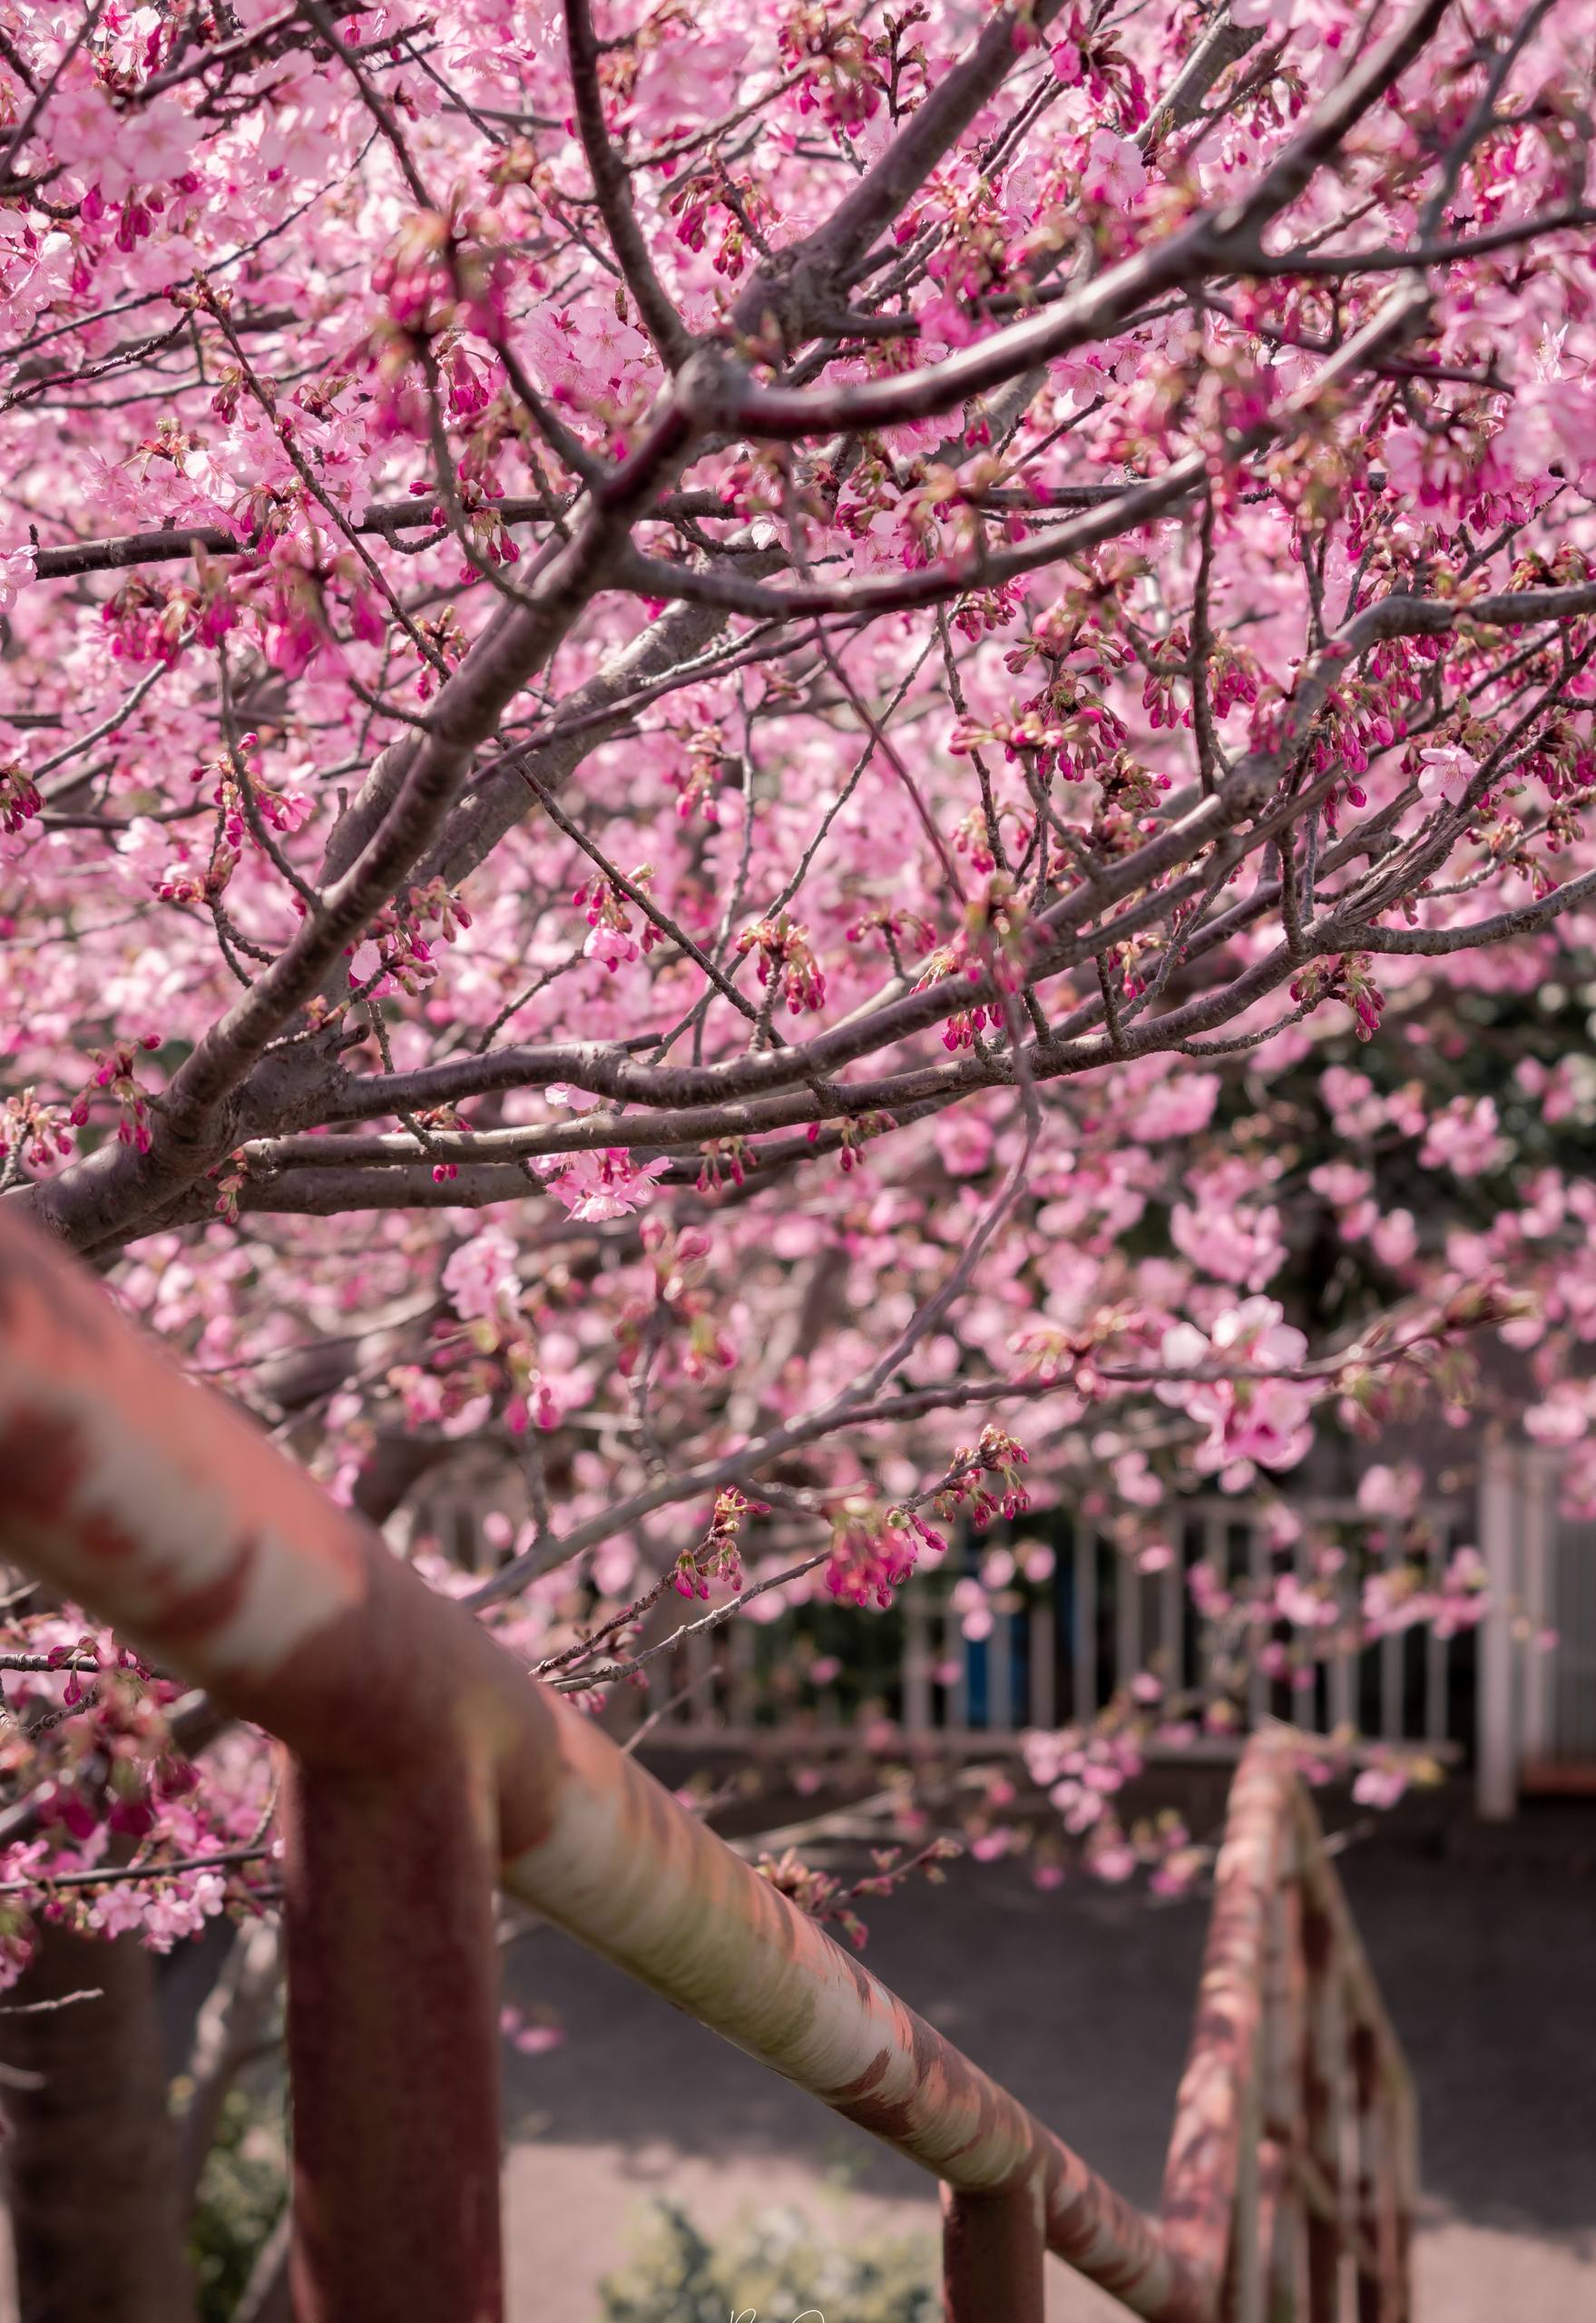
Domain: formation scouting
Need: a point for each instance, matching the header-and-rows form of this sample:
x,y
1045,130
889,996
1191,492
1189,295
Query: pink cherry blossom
x,y
480,1277
1446,773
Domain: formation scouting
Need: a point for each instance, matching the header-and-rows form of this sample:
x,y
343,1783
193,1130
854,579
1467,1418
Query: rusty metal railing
x,y
422,1764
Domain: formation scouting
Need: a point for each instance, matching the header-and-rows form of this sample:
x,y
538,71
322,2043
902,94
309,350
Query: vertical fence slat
x,y
917,1718
1216,1555
1436,1648
1000,1672
1083,1656
1496,1740
1303,1709
1257,1573
1173,1621
955,1652
1128,1645
1537,1505
1042,1701
1391,1652
1341,1690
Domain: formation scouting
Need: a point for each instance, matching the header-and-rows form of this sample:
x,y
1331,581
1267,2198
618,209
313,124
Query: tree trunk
x,y
267,2298
232,2017
91,2161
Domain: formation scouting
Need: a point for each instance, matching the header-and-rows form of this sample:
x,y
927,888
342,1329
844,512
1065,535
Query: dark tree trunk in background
x,y
91,2162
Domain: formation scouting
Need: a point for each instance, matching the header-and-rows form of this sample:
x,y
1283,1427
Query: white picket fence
x,y
1058,1652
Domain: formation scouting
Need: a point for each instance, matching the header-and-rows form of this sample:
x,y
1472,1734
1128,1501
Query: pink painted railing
x,y
422,1764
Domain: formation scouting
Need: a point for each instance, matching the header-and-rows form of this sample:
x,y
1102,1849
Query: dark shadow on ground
x,y
1081,2003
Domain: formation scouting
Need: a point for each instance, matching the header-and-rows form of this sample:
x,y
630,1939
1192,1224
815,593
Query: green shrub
x,y
777,2264
242,2190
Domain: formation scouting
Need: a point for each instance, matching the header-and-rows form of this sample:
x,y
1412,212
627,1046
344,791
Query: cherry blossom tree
x,y
760,758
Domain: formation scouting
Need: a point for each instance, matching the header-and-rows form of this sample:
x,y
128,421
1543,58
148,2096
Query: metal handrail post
x,y
392,2046
993,2249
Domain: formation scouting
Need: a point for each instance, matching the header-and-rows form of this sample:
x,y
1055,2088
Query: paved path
x,y
1080,2001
